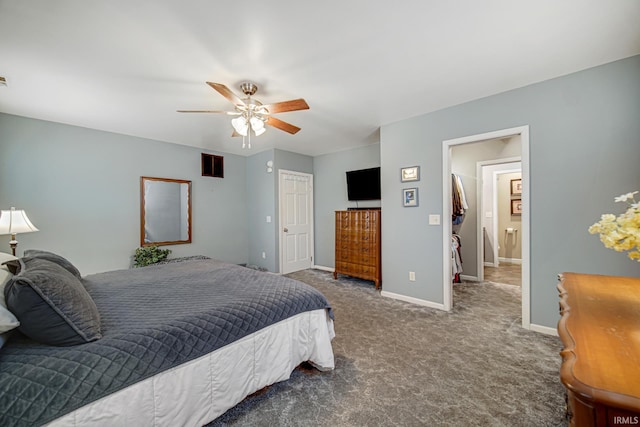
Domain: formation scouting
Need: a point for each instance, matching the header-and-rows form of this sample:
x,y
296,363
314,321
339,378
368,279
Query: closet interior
x,y
459,207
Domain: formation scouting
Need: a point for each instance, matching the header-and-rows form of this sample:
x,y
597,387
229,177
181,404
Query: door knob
x,y
286,230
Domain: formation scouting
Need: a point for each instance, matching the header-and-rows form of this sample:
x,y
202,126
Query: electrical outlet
x,y
412,276
268,218
264,255
434,219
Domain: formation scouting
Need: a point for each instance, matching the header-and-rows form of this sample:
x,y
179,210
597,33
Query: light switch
x,y
268,218
434,219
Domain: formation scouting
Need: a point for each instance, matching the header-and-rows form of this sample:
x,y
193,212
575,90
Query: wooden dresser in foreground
x,y
600,331
358,245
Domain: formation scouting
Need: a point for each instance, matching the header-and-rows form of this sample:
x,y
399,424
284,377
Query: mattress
x,y
197,392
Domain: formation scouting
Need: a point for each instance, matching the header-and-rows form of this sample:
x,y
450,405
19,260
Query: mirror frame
x,y
143,179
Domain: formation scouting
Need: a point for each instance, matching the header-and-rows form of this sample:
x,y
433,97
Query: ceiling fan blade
x,y
287,127
229,113
293,105
226,92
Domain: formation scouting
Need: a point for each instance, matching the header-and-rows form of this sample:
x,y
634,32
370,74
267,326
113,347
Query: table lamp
x,y
13,222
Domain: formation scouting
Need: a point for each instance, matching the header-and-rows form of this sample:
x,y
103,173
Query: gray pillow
x,y
4,337
61,261
52,305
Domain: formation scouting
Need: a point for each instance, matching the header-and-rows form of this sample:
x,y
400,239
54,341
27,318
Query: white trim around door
x,y
295,221
481,208
523,131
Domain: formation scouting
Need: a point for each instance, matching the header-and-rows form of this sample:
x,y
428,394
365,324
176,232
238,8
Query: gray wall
x,y
584,150
330,194
81,188
261,202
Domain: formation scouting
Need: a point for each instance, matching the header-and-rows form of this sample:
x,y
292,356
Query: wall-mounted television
x,y
363,184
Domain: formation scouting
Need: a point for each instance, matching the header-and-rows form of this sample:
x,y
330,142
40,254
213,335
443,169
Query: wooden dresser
x,y
600,331
358,245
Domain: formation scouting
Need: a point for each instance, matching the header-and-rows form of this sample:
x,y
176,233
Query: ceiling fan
x,y
251,114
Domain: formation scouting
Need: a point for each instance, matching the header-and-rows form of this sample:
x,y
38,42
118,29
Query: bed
x,y
177,344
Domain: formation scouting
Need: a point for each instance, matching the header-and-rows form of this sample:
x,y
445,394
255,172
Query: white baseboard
x,y
490,264
469,278
543,329
511,260
323,268
412,300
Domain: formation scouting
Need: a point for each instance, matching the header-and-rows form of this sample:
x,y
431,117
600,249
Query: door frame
x,y
447,285
312,245
494,207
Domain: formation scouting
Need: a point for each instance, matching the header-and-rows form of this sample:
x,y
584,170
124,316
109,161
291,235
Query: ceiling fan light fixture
x,y
256,124
240,125
252,115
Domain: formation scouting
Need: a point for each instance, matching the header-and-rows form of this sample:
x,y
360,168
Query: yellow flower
x,y
621,233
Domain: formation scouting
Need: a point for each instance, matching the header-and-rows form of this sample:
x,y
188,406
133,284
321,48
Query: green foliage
x,y
148,255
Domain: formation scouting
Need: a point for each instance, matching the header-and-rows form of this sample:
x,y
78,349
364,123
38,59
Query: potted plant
x,y
148,255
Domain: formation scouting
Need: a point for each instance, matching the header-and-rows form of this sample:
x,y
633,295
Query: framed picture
x,y
409,197
516,187
516,207
410,174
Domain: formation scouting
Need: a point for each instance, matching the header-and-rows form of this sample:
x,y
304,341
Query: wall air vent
x,y
212,165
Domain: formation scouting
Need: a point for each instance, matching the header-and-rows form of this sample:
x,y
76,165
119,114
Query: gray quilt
x,y
153,318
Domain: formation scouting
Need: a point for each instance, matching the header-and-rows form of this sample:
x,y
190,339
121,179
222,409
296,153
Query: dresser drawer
x,y
354,238
347,268
362,257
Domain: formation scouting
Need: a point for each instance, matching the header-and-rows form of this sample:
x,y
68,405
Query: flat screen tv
x,y
363,184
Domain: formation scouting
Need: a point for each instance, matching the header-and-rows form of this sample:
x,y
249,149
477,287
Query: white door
x,y
296,221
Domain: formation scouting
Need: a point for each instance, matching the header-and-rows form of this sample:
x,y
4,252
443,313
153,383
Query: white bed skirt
x,y
199,391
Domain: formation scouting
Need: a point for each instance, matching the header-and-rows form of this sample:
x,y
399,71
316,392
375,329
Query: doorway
x,y
295,194
499,220
523,133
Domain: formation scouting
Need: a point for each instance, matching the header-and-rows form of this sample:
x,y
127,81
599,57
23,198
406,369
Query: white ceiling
x,y
126,66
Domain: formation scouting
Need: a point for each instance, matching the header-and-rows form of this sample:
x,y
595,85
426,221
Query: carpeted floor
x,y
399,364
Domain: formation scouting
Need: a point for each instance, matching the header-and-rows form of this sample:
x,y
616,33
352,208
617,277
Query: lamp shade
x,y
257,125
240,125
15,221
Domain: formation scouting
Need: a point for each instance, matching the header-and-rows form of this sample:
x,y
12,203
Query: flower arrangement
x,y
621,233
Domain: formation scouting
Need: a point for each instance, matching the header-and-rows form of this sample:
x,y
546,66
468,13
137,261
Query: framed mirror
x,y
165,211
